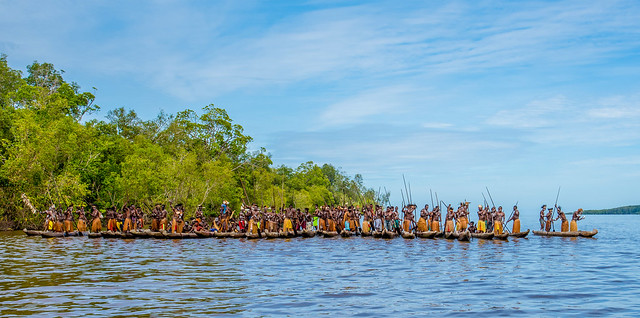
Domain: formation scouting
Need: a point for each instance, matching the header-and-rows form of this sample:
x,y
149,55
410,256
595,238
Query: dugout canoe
x,y
288,234
427,234
346,233
32,232
389,235
252,236
221,234
366,233
308,233
204,233
377,234
330,234
503,236
48,234
237,235
109,234
484,236
272,235
464,236
408,235
439,234
520,234
94,235
567,234
141,234
157,235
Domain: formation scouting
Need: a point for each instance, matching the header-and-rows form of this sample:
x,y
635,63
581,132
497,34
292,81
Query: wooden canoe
x,y
450,235
464,236
567,234
520,234
251,236
108,234
94,235
389,234
141,234
484,236
503,236
439,234
427,234
272,235
157,235
32,232
408,235
204,233
191,235
346,233
377,234
330,234
74,233
48,234
221,234
308,233
288,234
366,233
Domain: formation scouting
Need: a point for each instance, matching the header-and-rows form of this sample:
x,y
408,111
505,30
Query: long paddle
x,y
555,207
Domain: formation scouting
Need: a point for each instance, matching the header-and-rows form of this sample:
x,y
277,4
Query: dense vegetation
x,y
52,155
631,209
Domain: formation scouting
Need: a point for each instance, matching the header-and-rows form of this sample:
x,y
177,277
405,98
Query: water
x,y
536,276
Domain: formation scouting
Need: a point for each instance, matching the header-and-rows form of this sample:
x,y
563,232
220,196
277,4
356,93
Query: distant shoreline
x,y
630,209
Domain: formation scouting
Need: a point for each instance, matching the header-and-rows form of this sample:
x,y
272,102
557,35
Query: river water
x,y
539,276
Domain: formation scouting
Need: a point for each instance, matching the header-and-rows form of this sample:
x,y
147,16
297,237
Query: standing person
x,y
542,217
82,220
68,219
126,225
498,220
516,220
155,218
422,221
163,218
577,216
437,218
449,227
96,223
564,227
482,223
177,223
120,219
549,217
407,224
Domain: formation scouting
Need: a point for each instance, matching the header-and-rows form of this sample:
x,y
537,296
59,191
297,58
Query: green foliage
x,y
631,209
192,158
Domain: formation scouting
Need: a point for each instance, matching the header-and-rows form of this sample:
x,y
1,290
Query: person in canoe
x,y
577,216
482,224
422,221
472,227
437,218
407,223
549,221
96,223
82,220
449,227
564,227
162,226
68,219
542,217
126,225
498,220
516,220
120,219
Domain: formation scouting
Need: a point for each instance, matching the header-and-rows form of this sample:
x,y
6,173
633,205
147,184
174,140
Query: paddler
x,y
577,216
163,218
516,220
68,219
564,227
126,225
96,223
407,223
482,223
82,220
549,220
498,220
437,217
422,221
542,217
449,227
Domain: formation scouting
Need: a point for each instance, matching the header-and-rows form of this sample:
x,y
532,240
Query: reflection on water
x,y
323,276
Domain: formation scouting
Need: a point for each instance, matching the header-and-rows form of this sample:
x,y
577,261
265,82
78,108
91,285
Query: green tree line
x,y
51,154
631,209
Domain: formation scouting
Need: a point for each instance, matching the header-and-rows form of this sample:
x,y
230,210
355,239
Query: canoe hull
x,y
520,234
483,236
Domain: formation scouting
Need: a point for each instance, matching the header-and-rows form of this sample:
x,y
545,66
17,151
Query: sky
x,y
520,97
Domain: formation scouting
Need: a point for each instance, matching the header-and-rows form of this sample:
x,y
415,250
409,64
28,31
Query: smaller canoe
x,y
567,234
330,234
32,232
237,235
377,234
450,235
366,233
503,236
520,234
427,234
308,233
408,235
52,234
157,235
189,235
94,235
251,236
346,233
464,236
484,236
74,233
389,235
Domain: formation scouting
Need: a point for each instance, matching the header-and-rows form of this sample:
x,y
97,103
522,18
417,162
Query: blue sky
x,y
521,97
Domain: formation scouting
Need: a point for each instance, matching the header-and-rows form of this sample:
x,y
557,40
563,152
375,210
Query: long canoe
x,y
366,233
427,234
520,234
308,233
94,235
450,235
568,234
252,236
377,234
52,234
503,236
464,236
204,233
408,235
271,235
484,236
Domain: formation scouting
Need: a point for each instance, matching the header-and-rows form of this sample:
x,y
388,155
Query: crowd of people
x,y
254,219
